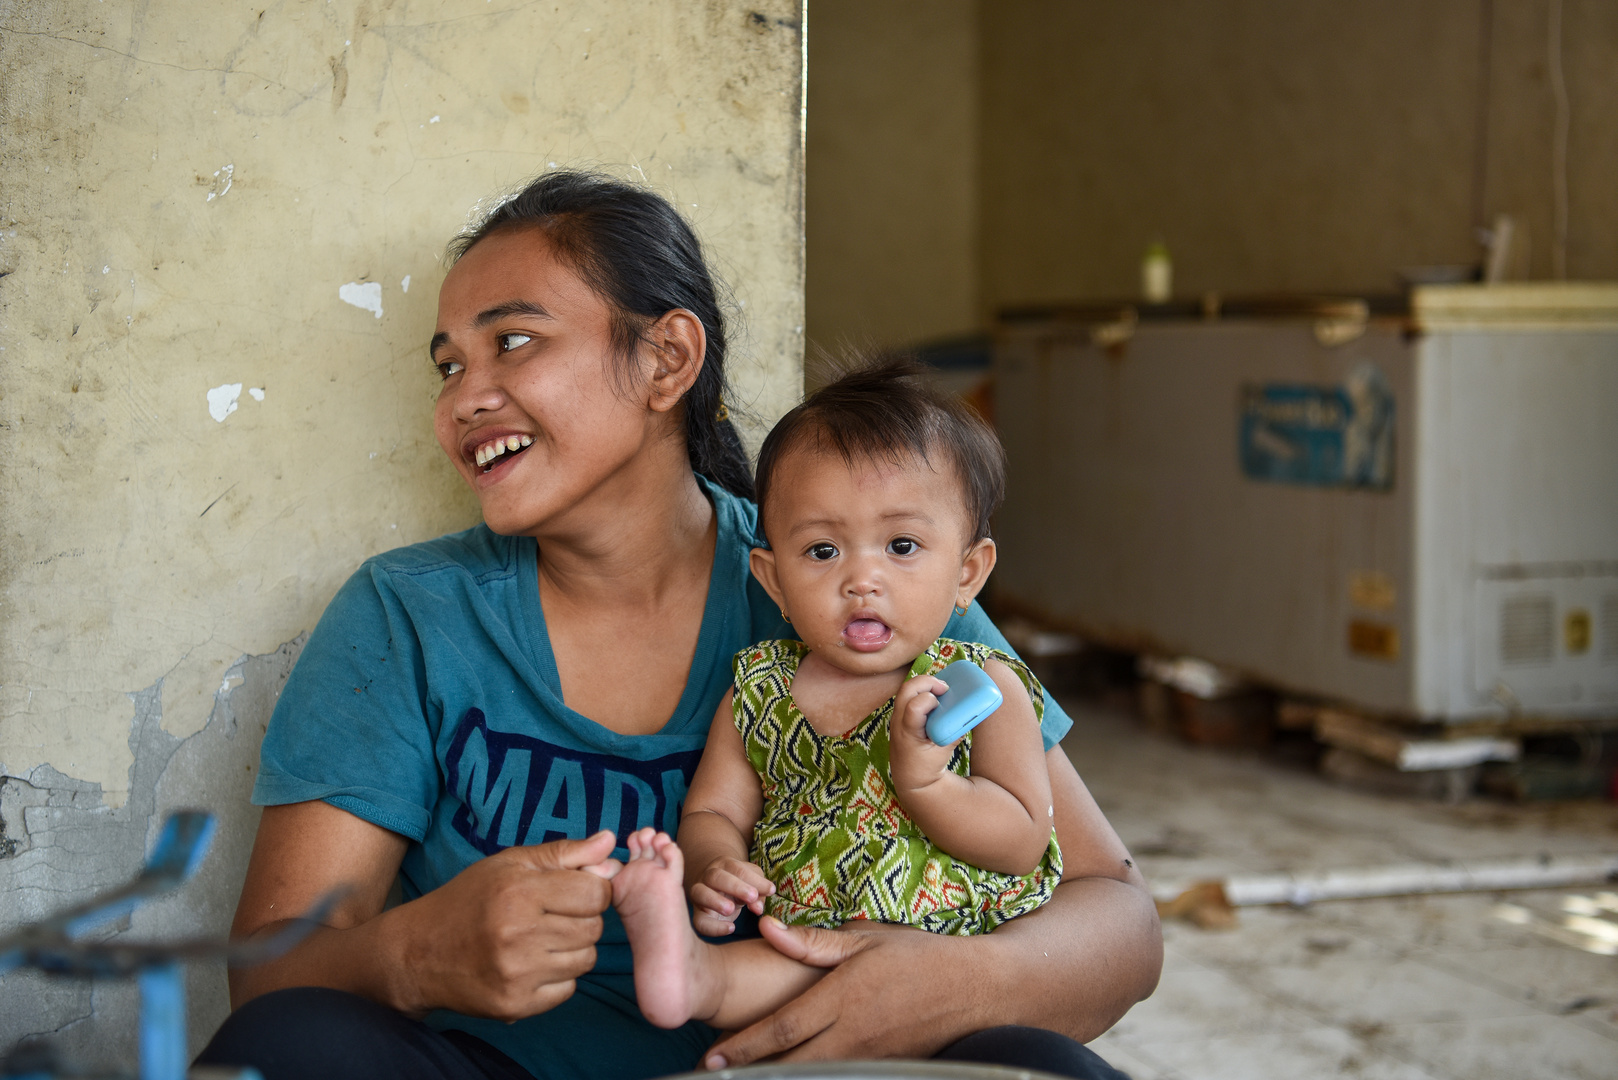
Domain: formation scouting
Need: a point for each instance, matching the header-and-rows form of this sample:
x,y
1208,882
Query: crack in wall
x,y
60,843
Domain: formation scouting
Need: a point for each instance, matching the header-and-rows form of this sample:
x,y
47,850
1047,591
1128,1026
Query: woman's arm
x,y
505,938
1075,966
721,809
1000,816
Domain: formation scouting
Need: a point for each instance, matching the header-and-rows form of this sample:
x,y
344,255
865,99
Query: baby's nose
x,y
862,584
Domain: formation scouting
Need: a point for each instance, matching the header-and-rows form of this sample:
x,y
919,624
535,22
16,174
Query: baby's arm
x,y
721,809
999,817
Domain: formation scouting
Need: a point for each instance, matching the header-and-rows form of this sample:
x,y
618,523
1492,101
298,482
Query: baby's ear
x,y
762,562
975,569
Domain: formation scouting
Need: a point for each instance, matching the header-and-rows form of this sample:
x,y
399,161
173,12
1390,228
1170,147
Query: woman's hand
x,y
505,938
894,993
725,886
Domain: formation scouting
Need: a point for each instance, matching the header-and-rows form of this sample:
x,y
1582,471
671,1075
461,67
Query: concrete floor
x,y
1428,987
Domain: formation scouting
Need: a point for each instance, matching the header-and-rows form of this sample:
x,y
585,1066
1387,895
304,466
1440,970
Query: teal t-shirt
x,y
427,702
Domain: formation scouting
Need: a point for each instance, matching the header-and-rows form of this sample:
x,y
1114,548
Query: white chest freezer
x,y
1416,514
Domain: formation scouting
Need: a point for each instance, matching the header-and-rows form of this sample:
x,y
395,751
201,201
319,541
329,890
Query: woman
x,y
482,717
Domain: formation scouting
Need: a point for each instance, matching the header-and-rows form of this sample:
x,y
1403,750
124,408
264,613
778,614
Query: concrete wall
x,y
1273,144
220,239
892,173
1282,145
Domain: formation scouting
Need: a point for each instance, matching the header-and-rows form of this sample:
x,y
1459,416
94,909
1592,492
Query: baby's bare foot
x,y
649,893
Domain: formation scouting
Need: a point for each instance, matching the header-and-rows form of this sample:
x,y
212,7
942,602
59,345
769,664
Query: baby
x,y
820,798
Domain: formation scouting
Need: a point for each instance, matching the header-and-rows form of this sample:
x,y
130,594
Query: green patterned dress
x,y
833,836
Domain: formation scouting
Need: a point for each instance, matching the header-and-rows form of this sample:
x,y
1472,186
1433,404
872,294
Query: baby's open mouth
x,y
867,634
492,452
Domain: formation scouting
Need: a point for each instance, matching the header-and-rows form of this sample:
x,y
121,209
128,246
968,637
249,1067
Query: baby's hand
x,y
726,886
914,759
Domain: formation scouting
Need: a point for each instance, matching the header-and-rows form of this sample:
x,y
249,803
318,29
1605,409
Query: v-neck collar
x,y
714,613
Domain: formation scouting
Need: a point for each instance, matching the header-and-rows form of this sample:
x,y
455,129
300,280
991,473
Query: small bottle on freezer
x,y
1156,274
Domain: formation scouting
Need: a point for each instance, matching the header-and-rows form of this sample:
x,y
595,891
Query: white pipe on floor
x,y
1541,872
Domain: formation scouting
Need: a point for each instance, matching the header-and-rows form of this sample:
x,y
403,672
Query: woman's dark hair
x,y
638,254
882,408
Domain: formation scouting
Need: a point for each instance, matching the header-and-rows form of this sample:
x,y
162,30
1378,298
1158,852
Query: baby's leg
x,y
680,977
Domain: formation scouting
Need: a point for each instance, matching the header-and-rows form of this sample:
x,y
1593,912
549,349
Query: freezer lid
x,y
1517,305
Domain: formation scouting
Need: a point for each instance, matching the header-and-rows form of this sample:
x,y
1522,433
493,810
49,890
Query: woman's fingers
x,y
890,996
576,961
606,869
565,854
514,930
787,1029
559,935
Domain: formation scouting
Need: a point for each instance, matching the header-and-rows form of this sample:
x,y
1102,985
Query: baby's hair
x,y
880,407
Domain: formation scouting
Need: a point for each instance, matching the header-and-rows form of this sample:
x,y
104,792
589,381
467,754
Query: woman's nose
x,y
477,392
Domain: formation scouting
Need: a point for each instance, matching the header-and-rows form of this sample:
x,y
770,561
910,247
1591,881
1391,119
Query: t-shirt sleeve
x,y
976,626
353,725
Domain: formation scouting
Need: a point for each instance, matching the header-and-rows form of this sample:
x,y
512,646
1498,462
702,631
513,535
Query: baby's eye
x,y
902,545
449,367
822,552
507,342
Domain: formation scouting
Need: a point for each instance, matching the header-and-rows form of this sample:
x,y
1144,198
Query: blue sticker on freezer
x,y
1323,436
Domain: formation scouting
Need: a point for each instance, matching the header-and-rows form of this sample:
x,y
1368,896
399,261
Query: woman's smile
x,y
500,445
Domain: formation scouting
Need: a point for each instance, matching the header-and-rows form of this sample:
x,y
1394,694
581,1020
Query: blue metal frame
x,y
52,945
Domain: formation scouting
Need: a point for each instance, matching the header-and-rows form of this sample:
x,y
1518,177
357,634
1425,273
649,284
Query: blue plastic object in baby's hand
x,y
971,698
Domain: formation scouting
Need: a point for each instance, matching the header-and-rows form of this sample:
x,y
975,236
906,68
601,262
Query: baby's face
x,y
867,560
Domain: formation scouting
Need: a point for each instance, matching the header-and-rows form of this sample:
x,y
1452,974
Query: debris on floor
x,y
1424,987
1204,703
1405,751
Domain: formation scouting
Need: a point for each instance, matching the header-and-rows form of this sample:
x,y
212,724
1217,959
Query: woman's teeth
x,y
508,443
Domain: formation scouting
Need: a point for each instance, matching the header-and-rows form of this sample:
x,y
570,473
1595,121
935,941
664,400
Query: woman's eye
x,y
450,367
508,342
822,552
902,546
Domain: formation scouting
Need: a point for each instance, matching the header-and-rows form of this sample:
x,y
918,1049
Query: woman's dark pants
x,y
311,1033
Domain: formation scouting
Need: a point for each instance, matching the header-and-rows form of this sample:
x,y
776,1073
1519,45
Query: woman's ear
x,y
678,344
762,561
975,570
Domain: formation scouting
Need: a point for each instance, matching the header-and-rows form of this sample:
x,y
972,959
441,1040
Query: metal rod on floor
x,y
1213,904
1542,872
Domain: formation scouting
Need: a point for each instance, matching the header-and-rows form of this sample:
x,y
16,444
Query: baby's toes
x,y
669,853
640,844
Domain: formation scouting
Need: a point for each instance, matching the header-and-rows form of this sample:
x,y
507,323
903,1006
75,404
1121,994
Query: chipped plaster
x,y
62,842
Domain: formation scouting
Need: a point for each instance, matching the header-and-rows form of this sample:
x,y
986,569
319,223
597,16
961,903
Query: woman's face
x,y
532,411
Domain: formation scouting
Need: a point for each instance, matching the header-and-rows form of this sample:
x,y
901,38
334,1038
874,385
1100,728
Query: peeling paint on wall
x,y
222,400
60,842
366,295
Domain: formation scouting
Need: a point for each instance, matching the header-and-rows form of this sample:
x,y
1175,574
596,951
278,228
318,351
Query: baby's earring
x,y
961,609
785,617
